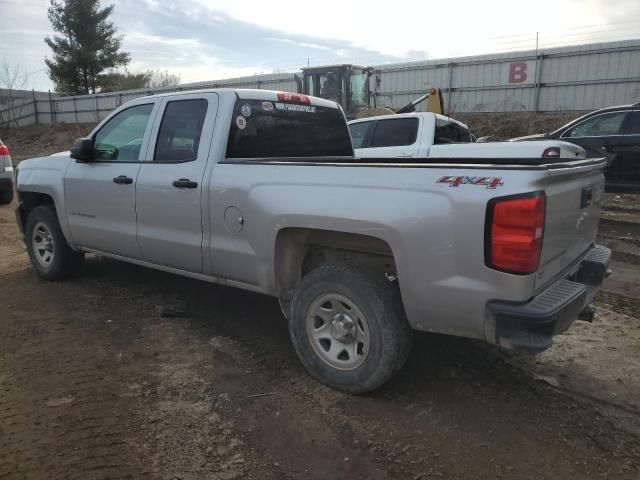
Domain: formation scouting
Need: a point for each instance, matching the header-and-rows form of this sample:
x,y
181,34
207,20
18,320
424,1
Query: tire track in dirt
x,y
93,392
61,417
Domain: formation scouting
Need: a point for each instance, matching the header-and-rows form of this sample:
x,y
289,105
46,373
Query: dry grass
x,y
514,124
41,140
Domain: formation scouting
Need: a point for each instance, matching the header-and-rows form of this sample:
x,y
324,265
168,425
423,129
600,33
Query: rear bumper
x,y
6,181
530,326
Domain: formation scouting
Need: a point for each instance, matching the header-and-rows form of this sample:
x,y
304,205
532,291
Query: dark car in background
x,y
612,132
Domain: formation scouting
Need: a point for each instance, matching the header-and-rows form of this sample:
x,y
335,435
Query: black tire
x,y
6,197
379,301
65,262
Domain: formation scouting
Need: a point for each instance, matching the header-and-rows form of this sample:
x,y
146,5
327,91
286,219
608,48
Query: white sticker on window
x,y
241,122
245,110
267,106
294,107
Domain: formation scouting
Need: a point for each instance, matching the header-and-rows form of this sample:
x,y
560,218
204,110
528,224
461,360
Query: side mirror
x,y
82,149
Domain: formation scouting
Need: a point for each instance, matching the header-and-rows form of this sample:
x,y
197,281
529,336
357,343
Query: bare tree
x,y
161,79
12,78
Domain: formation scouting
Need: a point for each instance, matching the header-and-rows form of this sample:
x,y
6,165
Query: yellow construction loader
x,y
349,86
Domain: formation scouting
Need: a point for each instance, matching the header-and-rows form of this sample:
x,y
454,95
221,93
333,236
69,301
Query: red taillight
x,y
4,150
515,230
293,97
551,152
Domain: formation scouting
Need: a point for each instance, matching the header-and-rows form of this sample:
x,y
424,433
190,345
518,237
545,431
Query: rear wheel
x,y
50,254
348,328
6,197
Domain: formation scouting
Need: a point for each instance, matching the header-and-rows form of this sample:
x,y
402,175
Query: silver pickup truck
x,y
260,190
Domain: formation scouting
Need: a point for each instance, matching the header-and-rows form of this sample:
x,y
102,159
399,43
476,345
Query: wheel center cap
x,y
343,328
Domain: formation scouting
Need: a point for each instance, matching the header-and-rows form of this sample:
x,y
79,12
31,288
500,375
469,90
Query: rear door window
x,y
359,133
265,129
450,132
180,131
395,132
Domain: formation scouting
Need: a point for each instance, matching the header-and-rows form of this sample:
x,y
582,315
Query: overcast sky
x,y
207,40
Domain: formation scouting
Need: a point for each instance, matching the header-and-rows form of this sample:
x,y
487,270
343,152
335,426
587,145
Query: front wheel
x,y
50,254
348,328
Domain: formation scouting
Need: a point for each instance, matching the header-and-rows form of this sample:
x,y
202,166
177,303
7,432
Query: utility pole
x,y
536,85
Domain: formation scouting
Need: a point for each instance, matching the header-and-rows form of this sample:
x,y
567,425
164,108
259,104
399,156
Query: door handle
x,y
123,179
185,183
405,155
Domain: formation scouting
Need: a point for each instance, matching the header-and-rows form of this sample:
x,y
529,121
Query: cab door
x,y
100,194
171,186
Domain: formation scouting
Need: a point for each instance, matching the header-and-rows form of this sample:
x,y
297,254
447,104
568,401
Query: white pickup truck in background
x,y
424,135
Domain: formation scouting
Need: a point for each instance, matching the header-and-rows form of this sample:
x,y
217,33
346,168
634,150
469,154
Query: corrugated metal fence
x,y
585,77
93,108
574,78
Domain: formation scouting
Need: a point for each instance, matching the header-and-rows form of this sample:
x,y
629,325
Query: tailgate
x,y
575,192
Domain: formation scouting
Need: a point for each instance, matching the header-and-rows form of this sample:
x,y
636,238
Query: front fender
x,y
44,176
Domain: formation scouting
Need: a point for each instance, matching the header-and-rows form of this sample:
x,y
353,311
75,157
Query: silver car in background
x,y
6,175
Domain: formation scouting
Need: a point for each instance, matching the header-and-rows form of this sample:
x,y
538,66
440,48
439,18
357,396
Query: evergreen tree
x,y
86,44
117,81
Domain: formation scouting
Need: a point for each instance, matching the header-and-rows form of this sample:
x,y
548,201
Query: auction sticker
x,y
267,106
246,110
241,122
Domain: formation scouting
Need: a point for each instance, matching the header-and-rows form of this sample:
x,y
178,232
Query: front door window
x,y
120,139
603,125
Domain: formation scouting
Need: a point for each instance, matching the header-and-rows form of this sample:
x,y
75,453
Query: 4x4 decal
x,y
456,181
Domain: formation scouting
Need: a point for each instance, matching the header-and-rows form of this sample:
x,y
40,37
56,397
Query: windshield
x,y
262,129
359,97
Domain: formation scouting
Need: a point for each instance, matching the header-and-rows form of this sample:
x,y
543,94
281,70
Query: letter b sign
x,y
517,72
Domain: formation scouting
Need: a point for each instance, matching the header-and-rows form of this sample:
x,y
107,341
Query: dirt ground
x,y
132,373
126,372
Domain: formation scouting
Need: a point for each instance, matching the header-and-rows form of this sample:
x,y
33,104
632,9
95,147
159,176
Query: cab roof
x,y
410,114
251,94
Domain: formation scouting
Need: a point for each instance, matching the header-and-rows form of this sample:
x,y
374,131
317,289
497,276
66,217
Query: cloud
x,y
214,38
300,44
143,38
204,37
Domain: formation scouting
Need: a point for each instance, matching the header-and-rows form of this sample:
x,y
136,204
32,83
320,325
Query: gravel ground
x,y
133,373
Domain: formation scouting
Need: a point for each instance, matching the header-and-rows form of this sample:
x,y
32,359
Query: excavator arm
x,y
433,97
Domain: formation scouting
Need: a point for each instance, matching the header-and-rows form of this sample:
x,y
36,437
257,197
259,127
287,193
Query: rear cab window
x,y
279,129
